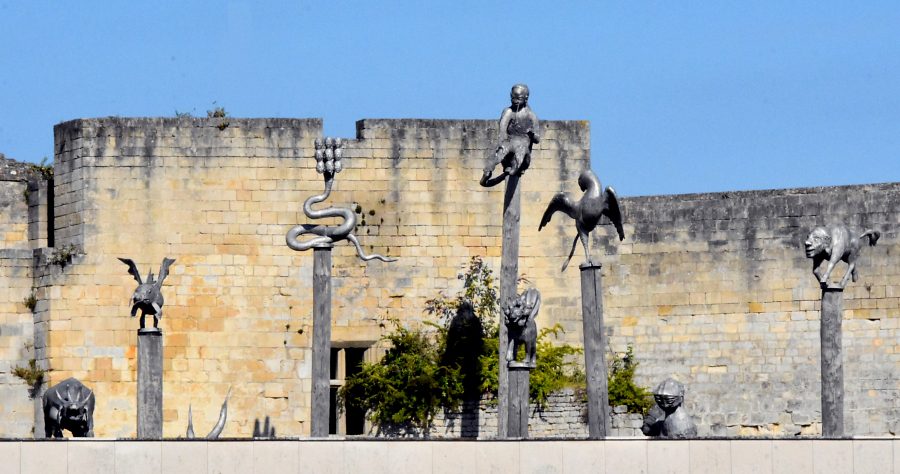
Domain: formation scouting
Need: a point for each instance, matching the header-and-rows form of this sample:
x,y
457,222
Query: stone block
x,y
792,456
710,456
625,456
10,453
138,457
751,456
44,457
323,457
276,456
92,456
229,457
497,456
541,457
184,457
872,455
454,457
583,457
413,456
665,457
369,456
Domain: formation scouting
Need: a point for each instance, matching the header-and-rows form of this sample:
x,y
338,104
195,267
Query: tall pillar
x,y
519,378
321,350
594,355
509,276
150,383
832,362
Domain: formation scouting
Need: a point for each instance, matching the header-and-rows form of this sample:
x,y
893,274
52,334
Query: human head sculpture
x,y
669,395
817,241
518,96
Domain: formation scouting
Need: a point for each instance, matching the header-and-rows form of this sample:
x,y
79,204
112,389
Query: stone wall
x,y
712,289
564,416
218,196
715,290
16,328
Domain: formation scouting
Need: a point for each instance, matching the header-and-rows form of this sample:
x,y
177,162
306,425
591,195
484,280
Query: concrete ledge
x,y
99,456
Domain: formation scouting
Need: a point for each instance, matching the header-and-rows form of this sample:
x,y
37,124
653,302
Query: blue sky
x,y
682,96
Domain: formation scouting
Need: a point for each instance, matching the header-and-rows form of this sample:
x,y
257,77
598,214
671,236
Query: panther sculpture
x,y
834,243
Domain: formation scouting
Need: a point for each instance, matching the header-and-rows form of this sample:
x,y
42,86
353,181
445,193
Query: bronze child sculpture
x,y
148,296
519,130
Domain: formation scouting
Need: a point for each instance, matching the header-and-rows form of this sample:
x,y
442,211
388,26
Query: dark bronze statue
x,y
220,424
328,163
834,243
519,315
668,419
519,130
69,405
587,212
148,296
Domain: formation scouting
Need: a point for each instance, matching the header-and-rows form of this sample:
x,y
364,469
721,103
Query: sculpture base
x,y
321,350
594,355
149,383
832,362
519,379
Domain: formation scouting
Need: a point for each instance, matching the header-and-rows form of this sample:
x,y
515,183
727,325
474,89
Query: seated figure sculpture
x,y
518,315
667,418
519,130
834,243
69,405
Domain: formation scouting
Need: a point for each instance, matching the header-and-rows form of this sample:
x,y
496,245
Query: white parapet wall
x,y
795,456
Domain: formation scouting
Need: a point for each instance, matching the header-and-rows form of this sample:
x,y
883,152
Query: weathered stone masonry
x,y
712,288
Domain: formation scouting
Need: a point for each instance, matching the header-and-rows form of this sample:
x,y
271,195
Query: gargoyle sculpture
x,y
220,424
148,296
667,418
834,243
518,315
69,405
519,131
328,163
587,212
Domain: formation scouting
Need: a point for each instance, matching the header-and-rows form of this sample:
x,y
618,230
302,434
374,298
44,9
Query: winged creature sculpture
x,y
587,212
148,295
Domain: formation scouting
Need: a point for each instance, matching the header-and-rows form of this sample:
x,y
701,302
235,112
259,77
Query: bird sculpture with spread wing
x,y
587,212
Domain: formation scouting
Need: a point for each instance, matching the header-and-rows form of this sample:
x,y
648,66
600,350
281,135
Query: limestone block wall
x,y
715,290
218,195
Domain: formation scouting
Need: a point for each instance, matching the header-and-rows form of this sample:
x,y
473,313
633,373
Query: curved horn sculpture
x,y
328,163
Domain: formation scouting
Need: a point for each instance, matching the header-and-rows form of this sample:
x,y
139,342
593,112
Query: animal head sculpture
x,y
148,296
69,405
835,243
518,315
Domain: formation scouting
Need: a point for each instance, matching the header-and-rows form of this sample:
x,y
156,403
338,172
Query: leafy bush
x,y
458,360
622,388
32,375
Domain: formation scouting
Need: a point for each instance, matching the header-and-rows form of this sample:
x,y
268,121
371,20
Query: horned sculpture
x,y
69,405
148,296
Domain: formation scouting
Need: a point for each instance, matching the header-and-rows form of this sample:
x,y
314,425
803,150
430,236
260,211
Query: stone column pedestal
x,y
832,363
509,278
519,379
321,350
594,355
150,383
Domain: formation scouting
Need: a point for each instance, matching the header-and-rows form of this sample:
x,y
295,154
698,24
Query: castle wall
x,y
715,290
218,196
16,326
712,288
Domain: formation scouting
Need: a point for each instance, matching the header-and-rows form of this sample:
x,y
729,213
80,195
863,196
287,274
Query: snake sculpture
x,y
328,163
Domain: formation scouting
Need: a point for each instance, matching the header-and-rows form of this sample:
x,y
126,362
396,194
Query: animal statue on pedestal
x,y
519,315
69,405
328,163
834,243
148,296
594,204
